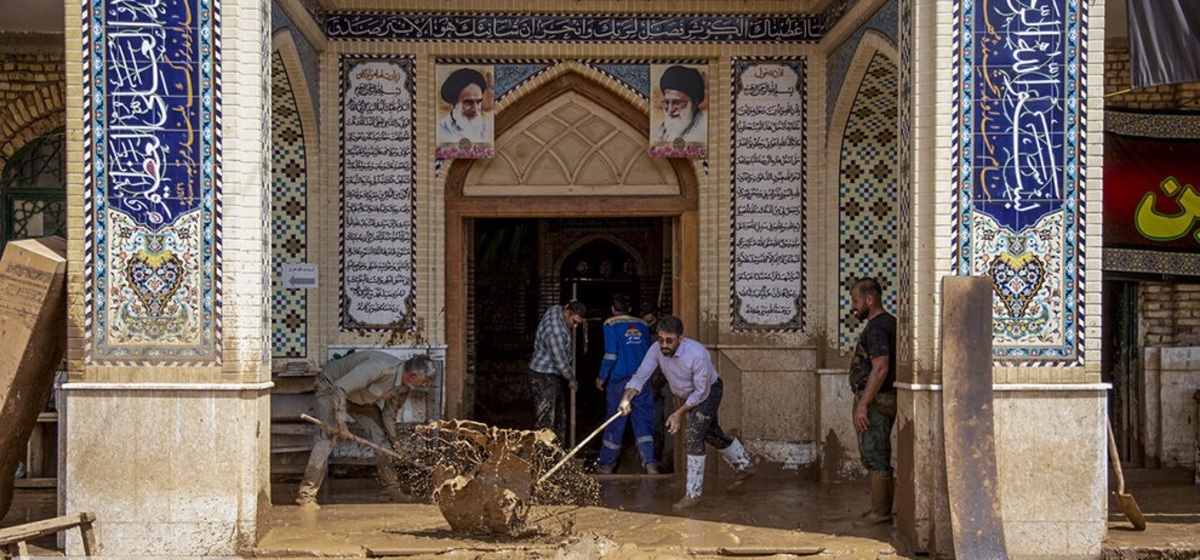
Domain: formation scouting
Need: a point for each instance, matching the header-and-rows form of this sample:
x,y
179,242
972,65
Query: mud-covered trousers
x,y
368,424
550,397
703,426
875,443
641,417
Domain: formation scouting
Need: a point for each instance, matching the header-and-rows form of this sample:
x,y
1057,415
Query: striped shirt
x,y
690,372
552,345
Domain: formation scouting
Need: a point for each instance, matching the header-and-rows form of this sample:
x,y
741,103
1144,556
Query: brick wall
x,y
32,81
1120,95
23,73
1170,314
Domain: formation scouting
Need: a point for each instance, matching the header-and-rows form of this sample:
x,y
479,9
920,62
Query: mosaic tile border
x,y
1154,125
992,228
289,212
143,304
798,306
1151,262
564,28
904,319
405,265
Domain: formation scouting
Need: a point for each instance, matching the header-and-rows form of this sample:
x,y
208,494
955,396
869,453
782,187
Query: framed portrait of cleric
x,y
678,110
465,125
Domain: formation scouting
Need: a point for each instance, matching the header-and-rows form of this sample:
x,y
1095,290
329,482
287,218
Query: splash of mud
x,y
484,479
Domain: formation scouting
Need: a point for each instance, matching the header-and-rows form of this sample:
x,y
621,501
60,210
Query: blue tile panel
x,y
1019,160
289,213
768,242
511,76
869,231
152,181
886,20
636,77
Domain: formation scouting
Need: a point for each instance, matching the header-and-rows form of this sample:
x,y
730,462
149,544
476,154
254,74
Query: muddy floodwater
x,y
633,519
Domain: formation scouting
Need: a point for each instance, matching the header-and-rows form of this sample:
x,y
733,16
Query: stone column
x,y
997,120
165,426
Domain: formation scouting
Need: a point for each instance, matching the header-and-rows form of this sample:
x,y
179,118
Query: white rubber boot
x,y
695,483
737,458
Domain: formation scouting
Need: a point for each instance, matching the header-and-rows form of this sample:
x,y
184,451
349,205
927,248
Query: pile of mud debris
x,y
485,479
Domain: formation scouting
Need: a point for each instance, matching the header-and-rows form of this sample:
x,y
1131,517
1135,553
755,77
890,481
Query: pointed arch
x,y
582,242
603,94
31,117
293,167
864,144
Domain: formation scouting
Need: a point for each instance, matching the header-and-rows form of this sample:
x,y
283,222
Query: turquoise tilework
x,y
868,225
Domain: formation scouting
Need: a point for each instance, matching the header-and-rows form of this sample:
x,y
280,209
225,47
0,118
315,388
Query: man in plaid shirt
x,y
551,372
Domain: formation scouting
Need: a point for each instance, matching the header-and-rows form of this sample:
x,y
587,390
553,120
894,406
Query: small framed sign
x,y
299,275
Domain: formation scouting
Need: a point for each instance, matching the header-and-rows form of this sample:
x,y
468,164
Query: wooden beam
x,y
37,529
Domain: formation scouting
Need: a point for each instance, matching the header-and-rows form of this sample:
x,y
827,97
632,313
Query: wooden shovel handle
x,y
354,438
1115,458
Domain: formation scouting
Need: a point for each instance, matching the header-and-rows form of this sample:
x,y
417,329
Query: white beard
x,y
674,127
472,129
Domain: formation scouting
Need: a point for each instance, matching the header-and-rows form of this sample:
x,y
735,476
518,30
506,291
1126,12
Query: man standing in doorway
x,y
872,378
692,377
551,370
626,340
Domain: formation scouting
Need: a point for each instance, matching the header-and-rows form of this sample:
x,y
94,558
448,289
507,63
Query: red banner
x,y
1151,193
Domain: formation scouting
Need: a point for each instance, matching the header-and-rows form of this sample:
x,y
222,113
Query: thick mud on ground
x,y
484,480
777,514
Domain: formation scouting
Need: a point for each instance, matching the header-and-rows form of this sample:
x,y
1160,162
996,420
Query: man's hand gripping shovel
x,y
622,409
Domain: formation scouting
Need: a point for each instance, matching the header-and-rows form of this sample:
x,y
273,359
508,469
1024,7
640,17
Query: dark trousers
x,y
703,426
550,397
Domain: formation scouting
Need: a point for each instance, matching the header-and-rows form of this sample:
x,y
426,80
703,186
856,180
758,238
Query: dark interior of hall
x,y
520,267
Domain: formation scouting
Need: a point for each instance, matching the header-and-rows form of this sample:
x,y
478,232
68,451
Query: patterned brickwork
x,y
868,225
289,212
31,98
1170,313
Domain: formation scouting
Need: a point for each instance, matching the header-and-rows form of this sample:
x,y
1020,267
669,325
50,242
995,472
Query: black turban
x,y
460,79
683,79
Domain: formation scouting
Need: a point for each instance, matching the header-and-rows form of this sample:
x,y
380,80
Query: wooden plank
x,y
972,482
89,536
33,326
37,529
756,551
37,482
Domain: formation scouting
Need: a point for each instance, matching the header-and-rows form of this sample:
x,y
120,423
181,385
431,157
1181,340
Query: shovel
x,y
1125,501
568,456
354,438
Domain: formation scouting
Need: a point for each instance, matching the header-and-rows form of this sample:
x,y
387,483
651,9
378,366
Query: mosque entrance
x,y
571,204
519,268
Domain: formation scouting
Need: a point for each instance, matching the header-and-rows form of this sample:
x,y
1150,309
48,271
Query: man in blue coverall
x,y
626,340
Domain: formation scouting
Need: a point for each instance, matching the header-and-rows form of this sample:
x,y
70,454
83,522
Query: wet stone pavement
x,y
778,510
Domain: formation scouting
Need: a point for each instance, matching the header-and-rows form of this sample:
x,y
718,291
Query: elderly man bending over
x,y
350,390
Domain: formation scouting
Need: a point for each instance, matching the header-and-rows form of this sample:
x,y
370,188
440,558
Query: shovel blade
x,y
1131,510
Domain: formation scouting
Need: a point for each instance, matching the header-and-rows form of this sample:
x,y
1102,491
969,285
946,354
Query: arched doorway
x,y
571,164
